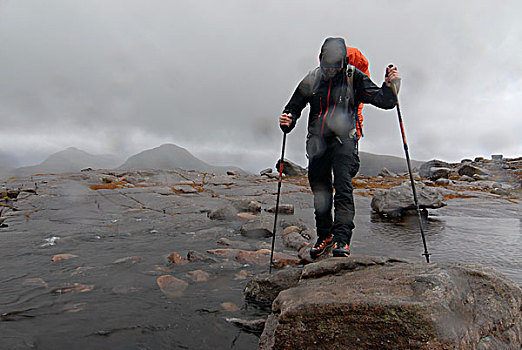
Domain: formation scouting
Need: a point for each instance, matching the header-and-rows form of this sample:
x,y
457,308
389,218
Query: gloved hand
x,y
285,122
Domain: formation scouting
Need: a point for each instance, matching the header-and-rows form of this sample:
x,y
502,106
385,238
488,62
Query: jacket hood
x,y
333,53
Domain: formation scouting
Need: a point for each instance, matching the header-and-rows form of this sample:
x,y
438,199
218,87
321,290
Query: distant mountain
x,y
7,163
169,156
372,164
69,160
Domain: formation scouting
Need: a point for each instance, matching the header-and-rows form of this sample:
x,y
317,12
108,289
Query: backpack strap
x,y
350,92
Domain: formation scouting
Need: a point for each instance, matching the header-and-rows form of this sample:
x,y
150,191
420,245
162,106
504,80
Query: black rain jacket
x,y
333,107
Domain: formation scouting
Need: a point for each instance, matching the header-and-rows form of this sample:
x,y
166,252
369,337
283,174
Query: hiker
x,y
334,91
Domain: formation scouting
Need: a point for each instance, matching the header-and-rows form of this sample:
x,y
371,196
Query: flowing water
x,y
97,300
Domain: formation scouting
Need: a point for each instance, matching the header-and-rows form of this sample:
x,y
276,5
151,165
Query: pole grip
x,y
395,83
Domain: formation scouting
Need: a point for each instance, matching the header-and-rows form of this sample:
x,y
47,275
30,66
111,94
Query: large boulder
x,y
470,170
291,169
398,200
377,303
425,169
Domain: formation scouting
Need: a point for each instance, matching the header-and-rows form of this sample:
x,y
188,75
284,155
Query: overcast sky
x,y
121,76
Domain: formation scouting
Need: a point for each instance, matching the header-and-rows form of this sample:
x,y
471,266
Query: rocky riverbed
x,y
159,259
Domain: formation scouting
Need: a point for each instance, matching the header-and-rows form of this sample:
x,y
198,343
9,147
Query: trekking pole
x,y
395,86
277,201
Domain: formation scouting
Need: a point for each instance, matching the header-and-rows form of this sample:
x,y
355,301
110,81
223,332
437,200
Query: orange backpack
x,y
357,59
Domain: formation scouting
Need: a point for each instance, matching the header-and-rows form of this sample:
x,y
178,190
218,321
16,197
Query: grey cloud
x,y
124,74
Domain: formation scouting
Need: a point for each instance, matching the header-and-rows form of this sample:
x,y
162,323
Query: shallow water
x,y
120,306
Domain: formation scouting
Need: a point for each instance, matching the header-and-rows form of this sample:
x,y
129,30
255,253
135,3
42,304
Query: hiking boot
x,y
341,249
321,246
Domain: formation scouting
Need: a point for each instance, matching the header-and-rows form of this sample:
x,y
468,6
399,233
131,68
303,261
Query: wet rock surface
x,y
379,303
119,229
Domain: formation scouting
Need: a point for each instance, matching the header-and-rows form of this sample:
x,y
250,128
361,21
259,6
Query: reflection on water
x,y
490,237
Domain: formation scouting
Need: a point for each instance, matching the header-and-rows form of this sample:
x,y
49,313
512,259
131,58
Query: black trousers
x,y
338,157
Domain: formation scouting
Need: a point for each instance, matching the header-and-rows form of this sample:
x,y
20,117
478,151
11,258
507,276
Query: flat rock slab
x,y
376,303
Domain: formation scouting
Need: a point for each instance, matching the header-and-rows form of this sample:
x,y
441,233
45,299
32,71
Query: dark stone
x,y
194,256
225,212
438,173
247,205
386,173
266,171
470,170
425,168
283,209
291,169
264,288
251,326
398,200
442,181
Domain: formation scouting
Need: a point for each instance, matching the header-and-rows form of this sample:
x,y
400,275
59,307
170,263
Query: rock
x,y
470,170
398,200
466,160
226,253
247,205
481,177
233,173
442,181
266,171
291,169
194,256
13,194
246,216
241,275
438,173
273,175
386,173
497,157
264,288
61,257
357,303
260,227
500,192
231,307
252,326
262,257
75,287
224,212
198,275
128,259
290,229
164,191
478,159
304,254
292,238
467,178
171,286
177,259
184,189
283,209
425,168
234,244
